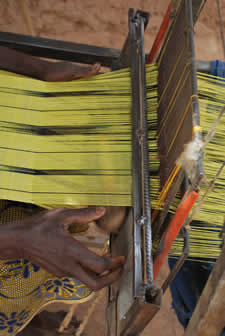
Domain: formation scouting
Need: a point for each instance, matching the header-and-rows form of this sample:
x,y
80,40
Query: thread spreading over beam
x,y
69,144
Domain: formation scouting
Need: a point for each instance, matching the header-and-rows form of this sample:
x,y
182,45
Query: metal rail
x,y
141,192
56,49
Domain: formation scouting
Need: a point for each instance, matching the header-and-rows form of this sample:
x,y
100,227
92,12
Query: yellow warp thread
x,y
180,124
89,143
197,129
172,102
205,241
167,40
171,77
96,113
164,192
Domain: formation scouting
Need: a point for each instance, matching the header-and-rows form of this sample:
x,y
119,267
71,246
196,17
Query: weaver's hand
x,y
44,240
65,71
113,218
15,61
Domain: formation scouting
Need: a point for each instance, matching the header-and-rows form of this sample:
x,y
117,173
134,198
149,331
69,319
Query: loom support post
x,y
208,318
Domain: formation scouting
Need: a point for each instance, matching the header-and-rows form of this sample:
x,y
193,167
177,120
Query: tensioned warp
x,y
70,144
205,241
88,157
77,137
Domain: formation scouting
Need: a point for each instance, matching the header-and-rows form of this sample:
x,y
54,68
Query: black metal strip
x,y
56,49
124,60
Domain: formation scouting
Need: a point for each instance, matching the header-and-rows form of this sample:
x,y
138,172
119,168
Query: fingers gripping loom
x,y
45,241
95,282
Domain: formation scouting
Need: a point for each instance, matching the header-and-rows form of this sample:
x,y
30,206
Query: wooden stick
x,y
89,313
212,130
65,323
27,17
174,227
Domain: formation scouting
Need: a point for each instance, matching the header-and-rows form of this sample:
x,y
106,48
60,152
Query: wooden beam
x,y
209,316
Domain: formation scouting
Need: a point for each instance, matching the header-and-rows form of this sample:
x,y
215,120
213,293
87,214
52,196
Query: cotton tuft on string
x,y
190,156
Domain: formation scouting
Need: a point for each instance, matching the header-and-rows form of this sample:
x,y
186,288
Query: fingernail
x,y
100,211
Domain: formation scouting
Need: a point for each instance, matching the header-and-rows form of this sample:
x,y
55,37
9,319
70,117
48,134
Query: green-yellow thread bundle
x,y
205,241
69,144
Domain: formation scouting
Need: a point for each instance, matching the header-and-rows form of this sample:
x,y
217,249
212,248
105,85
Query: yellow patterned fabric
x,y
24,287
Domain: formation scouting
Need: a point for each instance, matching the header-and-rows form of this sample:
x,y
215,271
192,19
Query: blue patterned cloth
x,y
190,281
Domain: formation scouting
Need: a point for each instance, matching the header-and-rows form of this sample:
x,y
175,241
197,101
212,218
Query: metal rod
x,y
179,262
141,199
197,6
125,55
212,129
145,161
136,158
195,102
196,115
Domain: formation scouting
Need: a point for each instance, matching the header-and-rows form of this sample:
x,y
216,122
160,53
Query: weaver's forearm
x,y
11,241
18,62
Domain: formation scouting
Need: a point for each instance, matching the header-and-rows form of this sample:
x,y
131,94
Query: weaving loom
x,y
104,156
106,162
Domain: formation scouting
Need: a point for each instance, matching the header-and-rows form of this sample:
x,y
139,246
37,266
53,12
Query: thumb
x,y
82,216
86,72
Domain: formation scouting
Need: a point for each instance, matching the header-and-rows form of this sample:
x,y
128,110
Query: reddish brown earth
x,y
104,23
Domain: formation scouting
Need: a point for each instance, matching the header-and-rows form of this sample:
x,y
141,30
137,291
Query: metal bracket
x,y
142,221
141,199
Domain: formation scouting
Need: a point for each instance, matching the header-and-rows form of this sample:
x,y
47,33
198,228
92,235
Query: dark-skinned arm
x,y
44,240
20,63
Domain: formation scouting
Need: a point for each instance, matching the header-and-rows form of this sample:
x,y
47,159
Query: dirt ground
x,y
104,23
